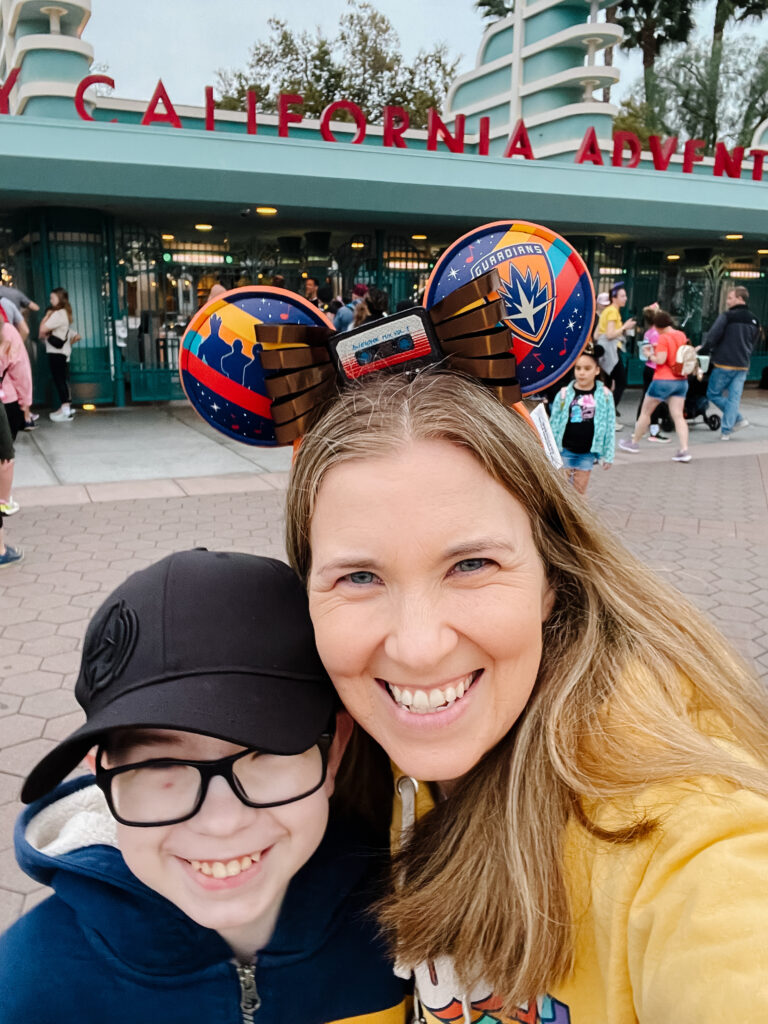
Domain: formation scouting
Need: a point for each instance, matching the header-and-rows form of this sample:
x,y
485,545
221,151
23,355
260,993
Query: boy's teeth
x,y
423,702
228,869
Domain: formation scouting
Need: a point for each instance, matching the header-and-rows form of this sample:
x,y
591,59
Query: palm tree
x,y
651,25
495,10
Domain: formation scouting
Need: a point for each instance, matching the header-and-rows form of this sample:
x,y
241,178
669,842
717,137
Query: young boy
x,y
195,879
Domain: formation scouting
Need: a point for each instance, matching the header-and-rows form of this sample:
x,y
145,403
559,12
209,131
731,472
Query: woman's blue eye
x,y
471,564
360,578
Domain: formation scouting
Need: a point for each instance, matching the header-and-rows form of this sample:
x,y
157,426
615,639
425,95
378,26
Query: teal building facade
x,y
138,206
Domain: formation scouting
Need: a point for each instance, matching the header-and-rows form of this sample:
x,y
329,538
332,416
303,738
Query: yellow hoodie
x,y
672,929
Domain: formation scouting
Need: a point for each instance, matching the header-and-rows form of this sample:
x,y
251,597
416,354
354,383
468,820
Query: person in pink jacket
x,y
15,377
15,395
8,358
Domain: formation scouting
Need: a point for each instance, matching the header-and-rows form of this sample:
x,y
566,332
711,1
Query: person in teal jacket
x,y
583,420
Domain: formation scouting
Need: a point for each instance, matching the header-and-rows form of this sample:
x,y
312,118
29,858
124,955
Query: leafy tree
x,y
362,63
633,116
688,82
725,11
495,10
651,26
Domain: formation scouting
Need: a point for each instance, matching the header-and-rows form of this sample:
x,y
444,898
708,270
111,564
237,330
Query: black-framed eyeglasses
x,y
166,791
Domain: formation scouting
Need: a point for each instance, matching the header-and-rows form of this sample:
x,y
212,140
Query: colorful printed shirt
x,y
600,412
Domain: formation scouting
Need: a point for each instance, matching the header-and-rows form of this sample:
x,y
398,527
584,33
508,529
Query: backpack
x,y
686,361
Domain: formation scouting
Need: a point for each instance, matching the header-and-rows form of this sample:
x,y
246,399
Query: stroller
x,y
696,405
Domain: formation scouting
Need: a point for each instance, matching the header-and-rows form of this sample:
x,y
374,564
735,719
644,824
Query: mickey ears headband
x,y
510,303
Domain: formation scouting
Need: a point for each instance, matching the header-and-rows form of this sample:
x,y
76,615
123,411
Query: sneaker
x,y
61,417
659,438
10,556
725,437
629,446
29,425
619,426
740,424
33,417
682,456
10,507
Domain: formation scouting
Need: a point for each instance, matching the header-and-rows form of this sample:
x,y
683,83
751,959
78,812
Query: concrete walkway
x,y
115,490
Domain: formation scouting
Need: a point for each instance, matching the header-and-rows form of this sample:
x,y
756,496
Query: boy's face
x,y
277,840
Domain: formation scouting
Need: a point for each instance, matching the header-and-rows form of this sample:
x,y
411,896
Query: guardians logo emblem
x,y
529,291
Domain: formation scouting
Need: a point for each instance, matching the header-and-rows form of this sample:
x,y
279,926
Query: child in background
x,y
194,876
583,420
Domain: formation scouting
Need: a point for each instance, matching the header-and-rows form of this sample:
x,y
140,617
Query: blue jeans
x,y
731,381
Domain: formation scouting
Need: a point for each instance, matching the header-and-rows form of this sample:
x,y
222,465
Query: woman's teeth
x,y
427,702
226,869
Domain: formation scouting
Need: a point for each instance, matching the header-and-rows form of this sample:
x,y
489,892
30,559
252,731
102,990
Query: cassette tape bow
x,y
510,304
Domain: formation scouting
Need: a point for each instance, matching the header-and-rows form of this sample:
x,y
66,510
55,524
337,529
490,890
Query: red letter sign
x,y
728,163
436,127
8,84
662,154
250,98
483,136
209,108
622,139
758,155
519,144
691,154
80,94
151,115
357,116
589,149
396,122
287,116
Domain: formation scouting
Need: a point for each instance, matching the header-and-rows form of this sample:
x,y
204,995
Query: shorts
x,y
663,390
6,441
584,461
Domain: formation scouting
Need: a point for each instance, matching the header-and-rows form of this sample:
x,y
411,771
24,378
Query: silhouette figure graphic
x,y
214,348
235,363
253,376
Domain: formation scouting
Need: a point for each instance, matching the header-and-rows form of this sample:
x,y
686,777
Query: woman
x,y
599,839
666,386
55,330
15,377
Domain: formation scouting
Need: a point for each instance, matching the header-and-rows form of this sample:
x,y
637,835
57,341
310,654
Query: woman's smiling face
x,y
427,595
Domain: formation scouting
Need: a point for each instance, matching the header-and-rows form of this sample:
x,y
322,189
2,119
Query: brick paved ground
x,y
703,526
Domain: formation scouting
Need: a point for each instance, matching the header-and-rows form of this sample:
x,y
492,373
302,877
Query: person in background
x,y
650,335
583,420
610,333
731,339
311,286
216,290
15,380
55,331
278,281
8,555
15,318
17,296
666,386
346,315
377,302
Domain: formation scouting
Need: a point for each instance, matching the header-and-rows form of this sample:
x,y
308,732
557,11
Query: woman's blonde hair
x,y
629,669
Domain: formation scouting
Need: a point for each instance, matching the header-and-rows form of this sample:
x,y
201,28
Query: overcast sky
x,y
185,41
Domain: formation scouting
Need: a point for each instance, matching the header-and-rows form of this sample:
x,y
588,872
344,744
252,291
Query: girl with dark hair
x,y
583,420
55,330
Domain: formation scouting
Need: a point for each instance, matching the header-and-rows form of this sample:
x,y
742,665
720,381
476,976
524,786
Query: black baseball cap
x,y
209,642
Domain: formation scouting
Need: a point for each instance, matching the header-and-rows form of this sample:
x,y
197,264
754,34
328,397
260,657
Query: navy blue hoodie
x,y
105,949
